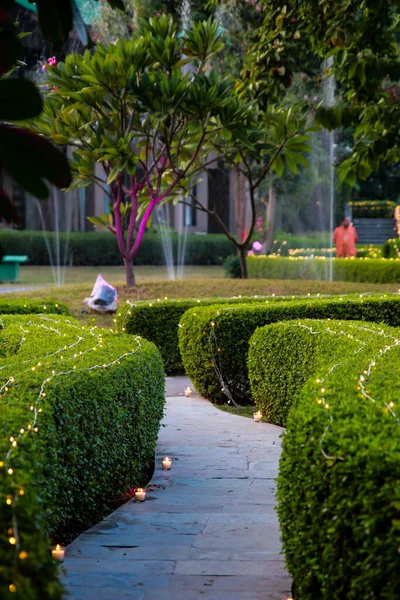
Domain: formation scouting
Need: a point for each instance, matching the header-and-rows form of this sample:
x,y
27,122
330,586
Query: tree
x,y
278,137
131,109
358,41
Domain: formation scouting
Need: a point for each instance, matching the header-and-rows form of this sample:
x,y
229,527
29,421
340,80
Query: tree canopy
x,y
148,120
357,40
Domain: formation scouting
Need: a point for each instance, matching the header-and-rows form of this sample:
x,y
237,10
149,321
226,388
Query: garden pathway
x,y
211,532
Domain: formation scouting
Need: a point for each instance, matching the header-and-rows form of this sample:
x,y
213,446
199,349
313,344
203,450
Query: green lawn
x,y
114,275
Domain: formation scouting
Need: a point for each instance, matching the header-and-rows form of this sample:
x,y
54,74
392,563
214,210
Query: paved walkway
x,y
211,534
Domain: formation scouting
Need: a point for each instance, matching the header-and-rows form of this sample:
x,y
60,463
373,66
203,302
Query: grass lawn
x,y
200,282
114,275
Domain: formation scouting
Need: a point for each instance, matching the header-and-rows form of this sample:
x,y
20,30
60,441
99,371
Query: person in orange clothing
x,y
345,238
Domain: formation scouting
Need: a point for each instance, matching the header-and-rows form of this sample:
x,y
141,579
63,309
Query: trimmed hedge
x,y
368,270
158,322
370,251
214,340
338,483
100,248
27,307
373,209
80,412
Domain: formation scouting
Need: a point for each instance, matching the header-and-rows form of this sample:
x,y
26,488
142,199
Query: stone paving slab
x,y
209,533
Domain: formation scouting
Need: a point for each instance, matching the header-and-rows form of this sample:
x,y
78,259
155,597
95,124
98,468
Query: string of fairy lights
x,y
365,374
6,463
215,349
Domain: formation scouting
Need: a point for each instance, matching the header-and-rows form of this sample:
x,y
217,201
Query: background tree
x,y
359,42
131,109
277,138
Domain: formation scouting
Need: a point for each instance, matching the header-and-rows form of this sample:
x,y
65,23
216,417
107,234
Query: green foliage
x,y
214,340
391,248
373,209
97,249
83,407
158,322
338,492
370,270
29,307
362,41
275,376
19,100
232,267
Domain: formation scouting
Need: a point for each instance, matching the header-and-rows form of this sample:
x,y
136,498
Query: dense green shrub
x,y
391,248
232,267
369,270
26,307
214,340
373,209
275,379
80,412
158,322
97,249
338,484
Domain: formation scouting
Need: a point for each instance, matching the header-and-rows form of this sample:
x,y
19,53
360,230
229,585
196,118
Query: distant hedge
x,y
373,209
26,307
80,412
367,270
100,248
338,484
158,322
214,340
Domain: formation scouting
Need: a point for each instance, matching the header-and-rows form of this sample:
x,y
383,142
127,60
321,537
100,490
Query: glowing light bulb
x,y
12,540
12,588
10,471
23,555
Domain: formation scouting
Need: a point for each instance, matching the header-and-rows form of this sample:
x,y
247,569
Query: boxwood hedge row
x,y
338,483
80,412
27,307
158,322
214,340
369,270
101,248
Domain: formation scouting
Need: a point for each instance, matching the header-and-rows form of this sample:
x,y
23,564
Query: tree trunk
x,y
270,217
243,263
130,277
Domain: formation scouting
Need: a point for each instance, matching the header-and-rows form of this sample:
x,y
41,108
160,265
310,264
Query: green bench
x,y
9,268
